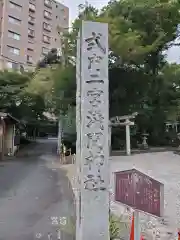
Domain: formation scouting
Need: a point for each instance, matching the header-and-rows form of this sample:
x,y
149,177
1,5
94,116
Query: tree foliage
x,y
140,78
15,100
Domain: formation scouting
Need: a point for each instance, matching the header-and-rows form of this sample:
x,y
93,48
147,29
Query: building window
x,y
12,65
45,51
14,20
9,65
46,39
15,6
29,59
32,7
46,26
31,33
14,35
47,14
14,50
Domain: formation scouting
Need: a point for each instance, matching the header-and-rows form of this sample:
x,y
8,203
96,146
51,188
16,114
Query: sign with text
x,y
139,191
93,130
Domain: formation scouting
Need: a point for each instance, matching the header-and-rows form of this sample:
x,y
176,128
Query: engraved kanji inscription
x,y
94,76
94,139
96,79
94,67
95,117
89,160
94,158
95,41
94,183
94,60
90,183
101,182
94,97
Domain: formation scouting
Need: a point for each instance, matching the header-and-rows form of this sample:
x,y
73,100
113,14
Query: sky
x,y
173,54
73,5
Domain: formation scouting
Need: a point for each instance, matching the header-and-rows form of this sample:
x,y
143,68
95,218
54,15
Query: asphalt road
x,y
36,199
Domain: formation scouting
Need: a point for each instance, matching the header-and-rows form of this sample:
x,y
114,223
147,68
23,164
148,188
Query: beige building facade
x,y
29,29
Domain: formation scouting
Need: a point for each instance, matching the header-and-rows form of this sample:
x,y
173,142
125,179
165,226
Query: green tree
x,y
14,98
11,86
140,78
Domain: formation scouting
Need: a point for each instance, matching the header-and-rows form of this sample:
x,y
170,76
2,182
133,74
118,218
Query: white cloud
x,y
73,5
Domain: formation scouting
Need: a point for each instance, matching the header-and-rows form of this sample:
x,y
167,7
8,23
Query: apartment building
x,y
28,30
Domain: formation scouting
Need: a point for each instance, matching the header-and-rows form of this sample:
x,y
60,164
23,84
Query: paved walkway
x,y
35,196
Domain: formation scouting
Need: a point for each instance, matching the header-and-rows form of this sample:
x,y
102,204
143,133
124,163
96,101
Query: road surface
x,y
35,196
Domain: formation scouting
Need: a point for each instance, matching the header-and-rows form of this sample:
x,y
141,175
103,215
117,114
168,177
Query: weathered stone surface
x,y
92,133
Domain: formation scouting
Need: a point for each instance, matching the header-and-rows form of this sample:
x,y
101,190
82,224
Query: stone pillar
x,y
110,134
176,127
128,141
93,131
78,146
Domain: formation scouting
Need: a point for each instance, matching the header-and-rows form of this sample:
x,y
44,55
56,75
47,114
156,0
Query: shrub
x,y
113,227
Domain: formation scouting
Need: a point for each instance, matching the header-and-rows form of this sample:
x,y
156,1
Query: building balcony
x,y
47,27
31,20
46,41
47,15
48,3
32,7
31,33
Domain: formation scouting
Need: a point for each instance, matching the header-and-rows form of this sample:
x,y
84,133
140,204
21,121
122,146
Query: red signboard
x,y
139,191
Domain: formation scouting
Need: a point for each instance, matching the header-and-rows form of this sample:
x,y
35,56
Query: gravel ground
x,y
162,166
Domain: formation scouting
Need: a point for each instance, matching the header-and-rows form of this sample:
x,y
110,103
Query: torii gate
x,y
124,121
